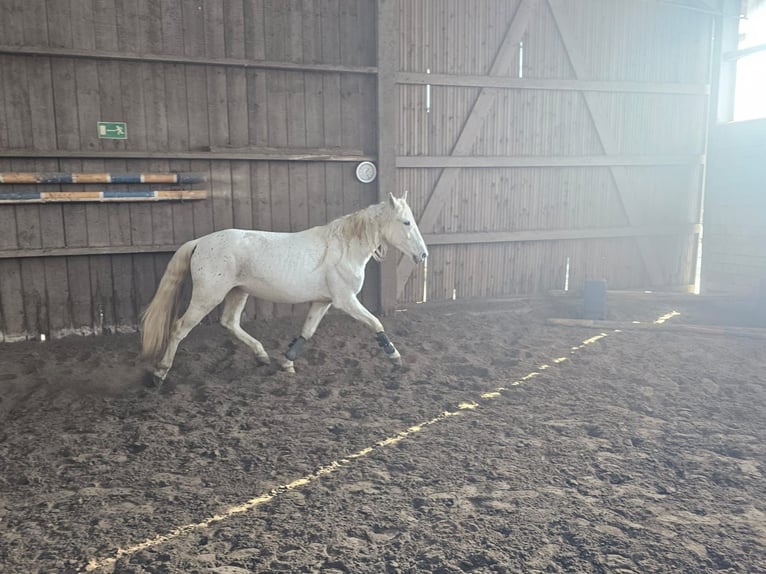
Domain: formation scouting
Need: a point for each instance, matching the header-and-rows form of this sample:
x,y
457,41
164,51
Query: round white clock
x,y
366,172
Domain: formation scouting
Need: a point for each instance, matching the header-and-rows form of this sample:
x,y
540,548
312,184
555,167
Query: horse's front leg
x,y
317,312
353,307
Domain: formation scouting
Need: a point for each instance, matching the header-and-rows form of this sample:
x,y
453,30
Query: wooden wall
x,y
560,135
537,138
734,247
273,100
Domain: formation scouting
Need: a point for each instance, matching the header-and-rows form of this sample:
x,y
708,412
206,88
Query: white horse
x,y
323,266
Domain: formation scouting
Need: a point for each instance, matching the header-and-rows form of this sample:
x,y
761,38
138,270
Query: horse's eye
x,y
407,222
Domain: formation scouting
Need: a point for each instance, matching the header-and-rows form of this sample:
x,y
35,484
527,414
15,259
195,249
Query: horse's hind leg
x,y
316,314
198,308
233,305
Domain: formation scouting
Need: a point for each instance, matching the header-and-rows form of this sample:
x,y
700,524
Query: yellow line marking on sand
x,y
96,563
665,317
329,468
594,339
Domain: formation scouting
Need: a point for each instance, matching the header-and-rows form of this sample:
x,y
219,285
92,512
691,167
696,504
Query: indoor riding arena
x,y
570,382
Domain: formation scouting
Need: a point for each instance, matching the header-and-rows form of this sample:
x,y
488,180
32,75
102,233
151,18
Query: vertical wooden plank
x,y
109,72
18,122
35,22
130,109
388,66
280,210
314,116
243,194
29,235
6,30
257,123
334,186
162,215
260,177
258,116
331,82
317,198
11,302
8,231
238,120
102,292
177,112
277,42
144,283
280,199
67,138
42,120
122,268
218,115
59,34
199,131
216,76
223,215
96,231
3,112
236,82
101,282
203,210
134,33
148,268
277,108
78,269
105,25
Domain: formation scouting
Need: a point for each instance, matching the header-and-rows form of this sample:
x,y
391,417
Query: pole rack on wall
x,y
67,178
105,196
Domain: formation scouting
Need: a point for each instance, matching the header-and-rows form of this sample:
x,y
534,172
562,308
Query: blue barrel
x,y
595,299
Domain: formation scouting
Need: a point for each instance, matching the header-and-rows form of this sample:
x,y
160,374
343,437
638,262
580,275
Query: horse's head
x,y
401,231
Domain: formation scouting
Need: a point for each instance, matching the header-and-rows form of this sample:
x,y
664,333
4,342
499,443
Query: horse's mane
x,y
363,225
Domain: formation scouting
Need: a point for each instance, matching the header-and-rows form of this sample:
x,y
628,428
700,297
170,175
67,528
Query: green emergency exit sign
x,y
113,130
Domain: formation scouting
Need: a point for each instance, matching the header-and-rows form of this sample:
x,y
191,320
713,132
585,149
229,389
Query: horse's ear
x,y
391,199
404,197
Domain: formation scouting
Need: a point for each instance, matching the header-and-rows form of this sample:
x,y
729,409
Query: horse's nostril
x,y
423,257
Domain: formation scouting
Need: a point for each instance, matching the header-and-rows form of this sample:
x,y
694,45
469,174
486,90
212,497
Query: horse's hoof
x,y
288,367
152,379
397,362
263,360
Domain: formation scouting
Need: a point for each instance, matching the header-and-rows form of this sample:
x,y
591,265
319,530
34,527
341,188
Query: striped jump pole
x,y
68,178
101,196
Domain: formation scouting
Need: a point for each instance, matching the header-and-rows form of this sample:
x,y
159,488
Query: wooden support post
x,y
388,64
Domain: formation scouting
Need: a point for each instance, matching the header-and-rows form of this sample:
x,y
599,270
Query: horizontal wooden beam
x,y
17,177
106,196
737,54
556,234
502,82
424,161
228,155
195,61
80,251
693,7
430,239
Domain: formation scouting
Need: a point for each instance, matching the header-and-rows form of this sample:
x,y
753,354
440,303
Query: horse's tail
x,y
157,320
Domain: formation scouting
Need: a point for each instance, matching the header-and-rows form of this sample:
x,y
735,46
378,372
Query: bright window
x,y
750,88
